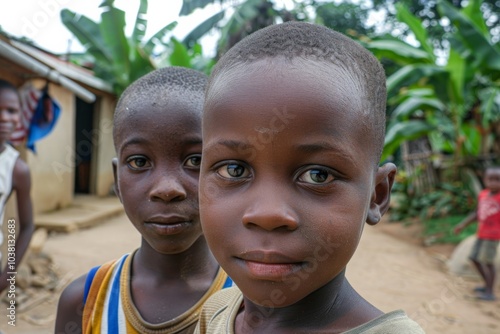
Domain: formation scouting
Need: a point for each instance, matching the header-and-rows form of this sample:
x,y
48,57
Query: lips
x,y
168,225
270,265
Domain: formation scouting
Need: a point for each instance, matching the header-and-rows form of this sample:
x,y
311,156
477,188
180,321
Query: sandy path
x,y
390,273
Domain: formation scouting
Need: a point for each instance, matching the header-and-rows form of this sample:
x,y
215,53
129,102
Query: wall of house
x,y
105,148
52,167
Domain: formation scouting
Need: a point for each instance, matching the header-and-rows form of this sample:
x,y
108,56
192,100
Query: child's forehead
x,y
179,112
281,66
301,78
9,91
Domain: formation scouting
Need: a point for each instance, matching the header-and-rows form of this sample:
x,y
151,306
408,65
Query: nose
x,y
167,188
270,211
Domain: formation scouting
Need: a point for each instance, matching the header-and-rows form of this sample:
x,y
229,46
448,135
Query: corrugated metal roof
x,y
35,61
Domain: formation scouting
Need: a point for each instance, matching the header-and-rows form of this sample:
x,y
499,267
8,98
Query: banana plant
x,y
453,100
246,17
117,58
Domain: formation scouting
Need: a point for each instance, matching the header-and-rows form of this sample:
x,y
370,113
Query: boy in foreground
x,y
160,287
293,129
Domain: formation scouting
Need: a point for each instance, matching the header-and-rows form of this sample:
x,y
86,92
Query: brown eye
x,y
316,176
193,161
233,171
138,162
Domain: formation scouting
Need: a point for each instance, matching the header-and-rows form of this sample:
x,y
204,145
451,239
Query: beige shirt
x,y
219,313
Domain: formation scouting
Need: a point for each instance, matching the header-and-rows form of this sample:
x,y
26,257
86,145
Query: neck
x,y
335,307
195,263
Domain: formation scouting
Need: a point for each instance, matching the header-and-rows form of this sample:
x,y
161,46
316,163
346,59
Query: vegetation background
x,y
442,60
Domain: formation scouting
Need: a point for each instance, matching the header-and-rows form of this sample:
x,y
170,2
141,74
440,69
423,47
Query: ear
x,y
116,187
381,196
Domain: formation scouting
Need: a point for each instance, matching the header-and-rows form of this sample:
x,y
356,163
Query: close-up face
x,y
157,168
492,179
9,113
287,177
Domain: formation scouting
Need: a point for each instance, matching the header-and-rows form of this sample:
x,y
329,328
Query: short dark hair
x,y
316,43
492,167
7,85
160,86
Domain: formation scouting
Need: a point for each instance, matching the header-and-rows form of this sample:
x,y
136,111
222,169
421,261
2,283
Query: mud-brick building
x,y
76,156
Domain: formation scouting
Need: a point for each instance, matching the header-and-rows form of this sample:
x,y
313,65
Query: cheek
x,y
14,118
215,219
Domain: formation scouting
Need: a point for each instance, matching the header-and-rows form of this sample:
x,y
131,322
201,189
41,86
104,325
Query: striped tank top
x,y
109,307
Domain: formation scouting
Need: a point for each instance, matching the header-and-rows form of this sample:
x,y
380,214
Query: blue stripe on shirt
x,y
114,300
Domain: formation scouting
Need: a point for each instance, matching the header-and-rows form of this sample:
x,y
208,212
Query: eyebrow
x,y
132,141
231,144
193,140
138,140
315,147
319,147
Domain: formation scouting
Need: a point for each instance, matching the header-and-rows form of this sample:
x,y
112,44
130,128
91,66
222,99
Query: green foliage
x,y
440,230
446,199
438,210
120,59
247,16
188,6
462,94
345,17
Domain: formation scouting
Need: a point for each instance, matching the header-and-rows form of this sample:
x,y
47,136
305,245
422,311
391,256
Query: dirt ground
x,y
391,269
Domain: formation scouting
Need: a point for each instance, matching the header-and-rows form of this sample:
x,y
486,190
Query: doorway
x,y
84,146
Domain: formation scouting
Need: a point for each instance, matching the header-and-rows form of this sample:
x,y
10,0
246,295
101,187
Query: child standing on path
x,y
488,232
14,176
293,129
160,287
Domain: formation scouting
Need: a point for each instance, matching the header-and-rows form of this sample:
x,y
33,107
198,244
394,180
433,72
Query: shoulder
x,y
21,174
74,291
70,305
218,310
390,323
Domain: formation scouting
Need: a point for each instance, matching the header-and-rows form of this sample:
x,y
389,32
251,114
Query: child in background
x,y
14,176
293,130
160,287
488,232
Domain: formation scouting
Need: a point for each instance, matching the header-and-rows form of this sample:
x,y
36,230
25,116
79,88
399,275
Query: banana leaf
x,y
157,38
412,73
88,34
141,23
399,132
404,15
188,6
490,108
244,13
140,65
471,35
474,13
405,109
112,29
456,67
179,55
202,29
399,52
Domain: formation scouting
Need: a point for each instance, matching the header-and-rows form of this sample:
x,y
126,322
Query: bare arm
x,y
471,218
70,308
23,230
